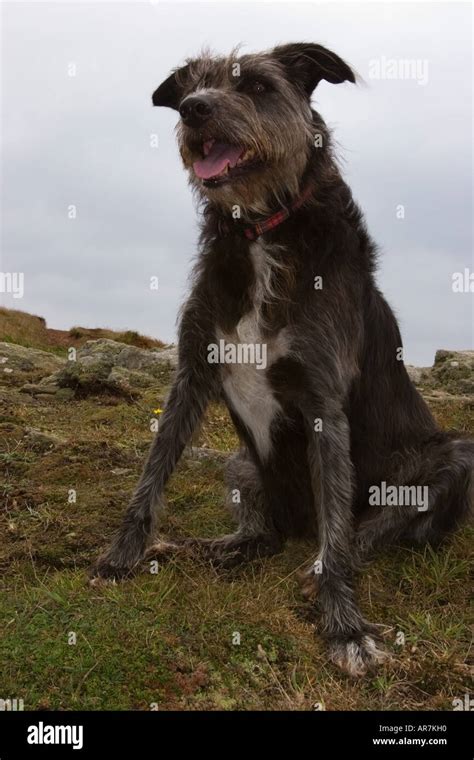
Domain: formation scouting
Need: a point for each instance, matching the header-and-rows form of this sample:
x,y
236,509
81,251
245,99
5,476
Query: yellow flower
x,y
157,411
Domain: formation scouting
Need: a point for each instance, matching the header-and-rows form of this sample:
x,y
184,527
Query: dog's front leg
x,y
184,408
331,577
196,382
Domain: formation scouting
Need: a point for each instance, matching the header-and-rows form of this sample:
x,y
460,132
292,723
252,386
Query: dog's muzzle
x,y
195,110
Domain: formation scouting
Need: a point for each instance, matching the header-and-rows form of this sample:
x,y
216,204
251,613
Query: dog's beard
x,y
258,192
244,175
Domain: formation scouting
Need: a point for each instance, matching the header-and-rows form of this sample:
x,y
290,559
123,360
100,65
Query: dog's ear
x,y
306,64
170,92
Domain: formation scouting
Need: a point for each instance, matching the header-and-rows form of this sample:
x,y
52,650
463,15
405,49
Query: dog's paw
x,y
105,570
122,558
357,656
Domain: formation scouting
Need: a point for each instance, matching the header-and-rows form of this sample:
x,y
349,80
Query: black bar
x,y
129,734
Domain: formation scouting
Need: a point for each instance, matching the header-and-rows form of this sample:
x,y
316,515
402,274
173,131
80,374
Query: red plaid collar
x,y
252,233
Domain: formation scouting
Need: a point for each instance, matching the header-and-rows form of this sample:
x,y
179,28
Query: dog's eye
x,y
257,87
252,86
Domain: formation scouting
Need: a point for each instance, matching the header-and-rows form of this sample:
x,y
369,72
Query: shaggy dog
x,y
285,323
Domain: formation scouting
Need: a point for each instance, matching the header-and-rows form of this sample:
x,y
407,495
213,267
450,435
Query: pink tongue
x,y
217,159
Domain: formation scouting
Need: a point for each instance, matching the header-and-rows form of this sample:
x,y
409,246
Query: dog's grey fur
x,y
333,352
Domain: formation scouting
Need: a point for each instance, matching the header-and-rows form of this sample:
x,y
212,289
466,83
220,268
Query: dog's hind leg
x,y
255,536
451,495
445,467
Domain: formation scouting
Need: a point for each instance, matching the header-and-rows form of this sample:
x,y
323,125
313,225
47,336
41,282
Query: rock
x,y
35,388
112,353
126,379
418,375
107,366
453,371
18,362
47,389
168,356
89,378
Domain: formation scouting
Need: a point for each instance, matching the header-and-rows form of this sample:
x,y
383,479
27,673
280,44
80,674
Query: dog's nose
x,y
195,110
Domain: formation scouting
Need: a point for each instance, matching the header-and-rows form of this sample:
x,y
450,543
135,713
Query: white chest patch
x,y
245,382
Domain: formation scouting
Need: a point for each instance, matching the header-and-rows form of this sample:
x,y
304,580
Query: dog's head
x,y
246,128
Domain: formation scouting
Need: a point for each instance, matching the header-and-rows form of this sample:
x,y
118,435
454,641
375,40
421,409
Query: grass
x,y
188,637
31,331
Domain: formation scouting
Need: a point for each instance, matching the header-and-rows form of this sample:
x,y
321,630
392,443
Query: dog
x,y
326,412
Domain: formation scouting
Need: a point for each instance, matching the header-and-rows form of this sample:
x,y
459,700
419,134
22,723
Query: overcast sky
x,y
84,140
